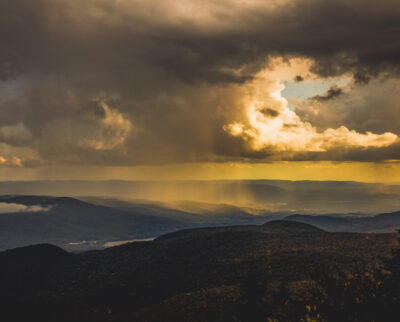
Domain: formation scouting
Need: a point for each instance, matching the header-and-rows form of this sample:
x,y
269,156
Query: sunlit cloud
x,y
114,130
271,125
133,82
15,208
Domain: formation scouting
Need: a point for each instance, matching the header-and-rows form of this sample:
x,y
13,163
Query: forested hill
x,y
281,270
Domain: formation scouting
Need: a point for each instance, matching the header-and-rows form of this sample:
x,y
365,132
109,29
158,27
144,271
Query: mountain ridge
x,y
127,282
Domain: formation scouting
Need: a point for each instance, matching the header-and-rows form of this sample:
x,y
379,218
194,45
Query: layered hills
x,y
218,273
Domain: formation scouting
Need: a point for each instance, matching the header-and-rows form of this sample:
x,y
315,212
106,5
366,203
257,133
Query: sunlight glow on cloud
x,y
272,125
115,128
134,82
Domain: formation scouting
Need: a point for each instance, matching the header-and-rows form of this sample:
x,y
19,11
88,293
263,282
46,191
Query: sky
x,y
200,89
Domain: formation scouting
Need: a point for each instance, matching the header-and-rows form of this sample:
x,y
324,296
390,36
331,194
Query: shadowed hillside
x,y
62,220
283,226
80,225
224,273
380,223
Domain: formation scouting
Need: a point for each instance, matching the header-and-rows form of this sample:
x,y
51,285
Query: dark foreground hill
x,y
282,270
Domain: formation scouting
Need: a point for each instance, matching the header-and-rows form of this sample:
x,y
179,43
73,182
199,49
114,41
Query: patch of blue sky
x,y
309,88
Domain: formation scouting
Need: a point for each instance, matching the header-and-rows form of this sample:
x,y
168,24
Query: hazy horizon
x,y
309,197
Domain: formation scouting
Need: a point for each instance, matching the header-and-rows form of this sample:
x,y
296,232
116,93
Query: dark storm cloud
x,y
121,37
298,79
269,112
133,82
331,93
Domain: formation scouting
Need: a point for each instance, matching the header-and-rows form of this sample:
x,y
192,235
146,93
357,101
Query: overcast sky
x,y
126,83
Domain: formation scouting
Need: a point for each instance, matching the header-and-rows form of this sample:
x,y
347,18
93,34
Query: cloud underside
x,y
126,82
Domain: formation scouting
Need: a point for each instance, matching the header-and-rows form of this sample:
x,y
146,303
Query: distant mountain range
x,y
382,223
304,197
79,225
206,214
62,220
93,222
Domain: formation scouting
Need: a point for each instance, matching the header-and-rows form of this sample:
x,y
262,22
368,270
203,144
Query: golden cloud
x,y
283,130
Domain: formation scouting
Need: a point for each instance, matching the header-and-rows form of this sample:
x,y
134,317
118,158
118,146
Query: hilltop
x,y
195,274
